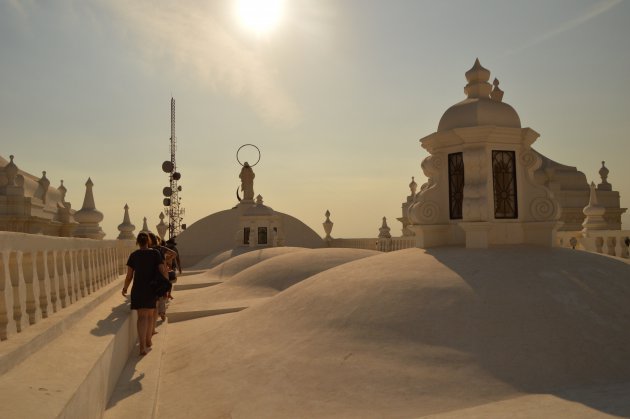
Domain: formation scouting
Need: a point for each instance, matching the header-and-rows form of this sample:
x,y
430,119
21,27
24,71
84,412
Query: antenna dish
x,y
177,176
167,191
245,145
167,166
167,202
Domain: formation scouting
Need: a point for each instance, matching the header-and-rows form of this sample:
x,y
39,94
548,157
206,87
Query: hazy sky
x,y
336,97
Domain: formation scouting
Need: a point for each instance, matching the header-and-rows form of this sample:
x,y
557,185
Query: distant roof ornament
x,y
603,173
243,164
497,93
477,78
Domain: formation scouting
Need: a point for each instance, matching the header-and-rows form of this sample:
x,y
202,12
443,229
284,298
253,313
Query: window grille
x,y
455,185
504,181
262,235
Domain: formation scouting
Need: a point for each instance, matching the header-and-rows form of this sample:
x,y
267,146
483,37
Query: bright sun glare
x,y
260,16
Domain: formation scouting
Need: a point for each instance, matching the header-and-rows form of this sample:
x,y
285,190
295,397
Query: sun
x,y
260,16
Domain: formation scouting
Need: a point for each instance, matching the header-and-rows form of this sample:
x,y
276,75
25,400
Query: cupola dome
x,y
481,107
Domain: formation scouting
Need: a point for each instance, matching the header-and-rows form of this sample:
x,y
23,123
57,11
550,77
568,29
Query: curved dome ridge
x,y
473,112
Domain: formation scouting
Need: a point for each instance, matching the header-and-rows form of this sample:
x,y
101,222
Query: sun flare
x,y
260,16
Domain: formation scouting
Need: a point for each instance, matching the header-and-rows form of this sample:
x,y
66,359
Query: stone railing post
x,y
5,290
30,282
44,284
54,280
40,275
17,285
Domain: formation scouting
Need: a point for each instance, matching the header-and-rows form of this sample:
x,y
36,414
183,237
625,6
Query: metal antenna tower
x,y
172,202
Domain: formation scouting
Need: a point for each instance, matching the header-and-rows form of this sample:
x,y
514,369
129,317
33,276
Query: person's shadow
x,y
112,323
127,384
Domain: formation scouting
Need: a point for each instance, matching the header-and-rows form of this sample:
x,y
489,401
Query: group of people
x,y
153,258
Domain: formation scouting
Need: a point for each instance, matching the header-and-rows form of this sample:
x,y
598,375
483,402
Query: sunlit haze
x,y
260,16
336,94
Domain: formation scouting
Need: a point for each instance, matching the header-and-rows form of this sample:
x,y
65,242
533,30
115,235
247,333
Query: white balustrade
x,y
609,242
40,275
384,245
369,244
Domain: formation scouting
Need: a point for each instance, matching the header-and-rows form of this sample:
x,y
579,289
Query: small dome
x,y
483,105
479,111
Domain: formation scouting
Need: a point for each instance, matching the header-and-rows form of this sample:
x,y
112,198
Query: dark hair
x,y
154,239
142,239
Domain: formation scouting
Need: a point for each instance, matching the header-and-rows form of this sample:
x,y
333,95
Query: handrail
x,y
40,275
609,242
381,244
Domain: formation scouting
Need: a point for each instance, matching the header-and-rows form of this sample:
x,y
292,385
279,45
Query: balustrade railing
x,y
396,243
40,275
383,245
368,244
609,242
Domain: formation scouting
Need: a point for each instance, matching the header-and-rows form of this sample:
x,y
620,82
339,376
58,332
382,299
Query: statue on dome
x,y
247,181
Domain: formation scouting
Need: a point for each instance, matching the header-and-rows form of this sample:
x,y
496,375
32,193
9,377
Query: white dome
x,y
215,233
483,105
474,112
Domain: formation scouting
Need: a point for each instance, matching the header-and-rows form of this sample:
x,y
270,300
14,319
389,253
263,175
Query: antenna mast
x,y
172,201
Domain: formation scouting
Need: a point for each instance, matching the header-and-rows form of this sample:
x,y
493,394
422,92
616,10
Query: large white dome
x,y
217,233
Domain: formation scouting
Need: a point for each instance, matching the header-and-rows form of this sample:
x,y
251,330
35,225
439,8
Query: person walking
x,y
142,266
177,264
167,258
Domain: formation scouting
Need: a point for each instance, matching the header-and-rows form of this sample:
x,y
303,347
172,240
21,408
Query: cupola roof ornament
x,y
477,78
497,93
62,190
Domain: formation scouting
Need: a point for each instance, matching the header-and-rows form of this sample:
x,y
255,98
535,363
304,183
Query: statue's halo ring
x,y
245,145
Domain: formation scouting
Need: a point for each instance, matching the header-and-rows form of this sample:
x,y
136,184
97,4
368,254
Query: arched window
x,y
455,185
504,182
262,235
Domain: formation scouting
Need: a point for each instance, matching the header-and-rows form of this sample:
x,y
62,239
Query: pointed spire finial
x,y
328,225
384,231
603,173
62,190
11,171
477,77
594,213
413,186
126,228
497,93
88,216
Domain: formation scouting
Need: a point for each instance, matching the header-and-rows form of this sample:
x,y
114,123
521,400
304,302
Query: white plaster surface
x,y
513,331
218,232
74,374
